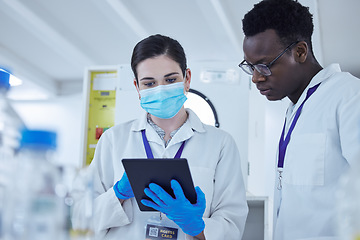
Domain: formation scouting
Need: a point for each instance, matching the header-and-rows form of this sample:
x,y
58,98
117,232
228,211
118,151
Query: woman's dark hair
x,y
291,21
157,45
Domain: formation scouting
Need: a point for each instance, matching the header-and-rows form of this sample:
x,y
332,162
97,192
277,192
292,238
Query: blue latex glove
x,y
123,189
186,215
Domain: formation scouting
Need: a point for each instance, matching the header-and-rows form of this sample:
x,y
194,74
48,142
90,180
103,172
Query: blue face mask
x,y
163,101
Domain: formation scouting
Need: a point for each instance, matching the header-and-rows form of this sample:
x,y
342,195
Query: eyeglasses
x,y
263,69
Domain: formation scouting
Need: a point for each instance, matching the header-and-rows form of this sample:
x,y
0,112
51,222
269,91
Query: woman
x,y
162,79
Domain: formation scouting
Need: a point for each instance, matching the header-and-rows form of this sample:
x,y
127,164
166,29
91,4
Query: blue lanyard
x,y
284,143
149,153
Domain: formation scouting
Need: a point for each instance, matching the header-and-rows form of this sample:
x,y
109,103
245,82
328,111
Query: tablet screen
x,y
142,172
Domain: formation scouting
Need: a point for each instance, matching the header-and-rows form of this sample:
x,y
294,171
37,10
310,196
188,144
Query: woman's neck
x,y
169,125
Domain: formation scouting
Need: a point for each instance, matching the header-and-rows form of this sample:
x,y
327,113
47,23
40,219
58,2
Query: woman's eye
x,y
149,84
171,80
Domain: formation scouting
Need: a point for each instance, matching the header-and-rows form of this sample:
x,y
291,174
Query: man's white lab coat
x,y
323,145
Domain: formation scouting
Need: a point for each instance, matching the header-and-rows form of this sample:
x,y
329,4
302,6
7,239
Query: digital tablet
x,y
142,172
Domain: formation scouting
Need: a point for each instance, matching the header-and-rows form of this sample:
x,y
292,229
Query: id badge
x,y
159,227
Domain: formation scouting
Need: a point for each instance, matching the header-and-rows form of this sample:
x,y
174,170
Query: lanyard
x,y
284,143
149,153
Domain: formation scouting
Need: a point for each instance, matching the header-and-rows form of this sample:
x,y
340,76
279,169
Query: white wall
x,y
231,100
256,142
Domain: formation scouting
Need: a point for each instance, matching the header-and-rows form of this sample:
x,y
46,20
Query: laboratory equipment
x,y
10,126
36,209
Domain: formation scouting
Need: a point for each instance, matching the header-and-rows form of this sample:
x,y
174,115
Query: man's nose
x,y
257,77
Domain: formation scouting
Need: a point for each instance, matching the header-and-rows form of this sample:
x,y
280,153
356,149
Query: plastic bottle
x,y
348,204
10,127
37,197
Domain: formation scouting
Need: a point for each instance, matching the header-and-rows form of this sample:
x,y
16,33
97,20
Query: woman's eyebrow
x,y
166,75
146,78
169,74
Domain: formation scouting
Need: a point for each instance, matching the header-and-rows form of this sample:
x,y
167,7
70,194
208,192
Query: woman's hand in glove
x,y
179,209
123,189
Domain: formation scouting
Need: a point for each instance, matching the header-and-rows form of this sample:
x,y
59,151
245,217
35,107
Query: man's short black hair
x,y
290,20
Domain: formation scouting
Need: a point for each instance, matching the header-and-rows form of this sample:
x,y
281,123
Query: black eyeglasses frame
x,y
249,68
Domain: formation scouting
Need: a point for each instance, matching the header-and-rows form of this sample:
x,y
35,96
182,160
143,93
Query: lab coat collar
x,y
187,130
194,121
323,75
192,124
320,77
141,124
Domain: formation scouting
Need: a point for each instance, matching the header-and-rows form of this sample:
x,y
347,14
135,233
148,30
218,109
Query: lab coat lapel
x,y
291,110
184,133
192,124
151,134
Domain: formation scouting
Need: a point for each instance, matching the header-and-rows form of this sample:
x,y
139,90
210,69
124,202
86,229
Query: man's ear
x,y
301,51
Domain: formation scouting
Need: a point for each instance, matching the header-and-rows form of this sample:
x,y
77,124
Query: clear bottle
x,y
83,205
37,199
10,127
348,204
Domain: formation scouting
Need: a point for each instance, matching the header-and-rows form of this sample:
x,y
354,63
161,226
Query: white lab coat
x,y
324,144
214,163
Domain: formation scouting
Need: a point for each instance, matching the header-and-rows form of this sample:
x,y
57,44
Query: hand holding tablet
x,y
186,215
142,172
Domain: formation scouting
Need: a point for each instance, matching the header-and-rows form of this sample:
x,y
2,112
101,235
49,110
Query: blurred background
x,y
49,46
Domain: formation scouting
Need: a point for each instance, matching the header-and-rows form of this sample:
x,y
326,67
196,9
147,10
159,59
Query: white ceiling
x,y
48,43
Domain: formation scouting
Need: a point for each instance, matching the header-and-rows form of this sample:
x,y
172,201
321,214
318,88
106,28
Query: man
x,y
321,136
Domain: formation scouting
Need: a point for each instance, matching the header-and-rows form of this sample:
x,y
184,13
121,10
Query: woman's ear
x,y
137,87
187,79
301,51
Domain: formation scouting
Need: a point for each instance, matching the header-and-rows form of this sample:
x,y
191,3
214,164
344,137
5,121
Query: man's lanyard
x,y
149,153
284,143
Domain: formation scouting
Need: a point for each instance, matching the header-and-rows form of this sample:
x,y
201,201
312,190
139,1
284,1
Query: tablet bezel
x,y
142,171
